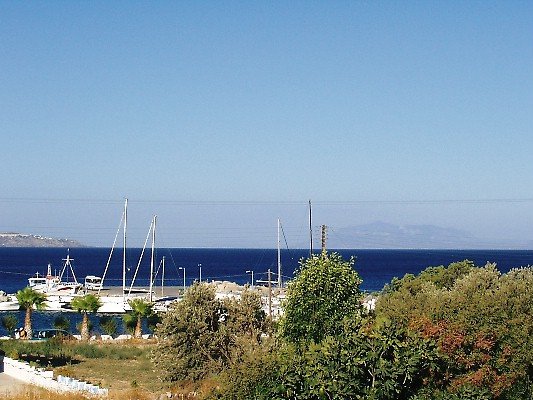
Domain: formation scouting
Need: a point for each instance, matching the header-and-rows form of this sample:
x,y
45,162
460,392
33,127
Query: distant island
x,y
23,240
382,235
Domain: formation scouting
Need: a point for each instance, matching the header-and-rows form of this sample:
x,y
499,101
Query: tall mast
x,y
163,277
269,294
310,231
279,257
152,258
124,251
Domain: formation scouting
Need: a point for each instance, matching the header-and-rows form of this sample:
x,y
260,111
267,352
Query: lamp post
x,y
200,267
183,268
251,272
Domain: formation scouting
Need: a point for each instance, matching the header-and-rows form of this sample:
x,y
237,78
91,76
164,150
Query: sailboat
x,y
112,304
117,303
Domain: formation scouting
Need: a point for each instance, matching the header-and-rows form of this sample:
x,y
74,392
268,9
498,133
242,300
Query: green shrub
x,y
10,322
108,325
61,322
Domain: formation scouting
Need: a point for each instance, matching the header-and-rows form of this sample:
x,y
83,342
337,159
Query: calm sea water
x,y
376,267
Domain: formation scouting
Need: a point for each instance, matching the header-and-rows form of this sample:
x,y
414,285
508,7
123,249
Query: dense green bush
x,y
481,323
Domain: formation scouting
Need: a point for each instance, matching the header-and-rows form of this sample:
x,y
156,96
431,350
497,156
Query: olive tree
x,y
199,335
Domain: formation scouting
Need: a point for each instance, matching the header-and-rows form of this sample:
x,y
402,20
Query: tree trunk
x,y
27,323
138,328
85,327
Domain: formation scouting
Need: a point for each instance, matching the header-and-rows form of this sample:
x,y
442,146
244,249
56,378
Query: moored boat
x,y
8,302
53,284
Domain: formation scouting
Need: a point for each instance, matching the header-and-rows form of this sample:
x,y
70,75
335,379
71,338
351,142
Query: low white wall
x,y
23,371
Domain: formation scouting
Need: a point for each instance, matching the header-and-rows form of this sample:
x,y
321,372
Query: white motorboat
x,y
8,302
51,284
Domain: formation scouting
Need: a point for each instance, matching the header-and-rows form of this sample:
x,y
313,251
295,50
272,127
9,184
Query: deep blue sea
x,y
376,267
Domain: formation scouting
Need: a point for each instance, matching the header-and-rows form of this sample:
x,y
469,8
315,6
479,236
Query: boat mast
x,y
124,252
111,254
163,277
152,259
69,265
279,257
310,231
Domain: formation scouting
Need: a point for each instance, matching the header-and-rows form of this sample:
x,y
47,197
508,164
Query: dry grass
x,y
115,374
35,393
123,368
41,394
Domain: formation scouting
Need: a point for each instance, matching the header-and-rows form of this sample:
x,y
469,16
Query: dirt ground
x,y
10,386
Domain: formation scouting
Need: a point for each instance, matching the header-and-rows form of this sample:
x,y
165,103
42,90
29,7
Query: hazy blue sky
x,y
221,116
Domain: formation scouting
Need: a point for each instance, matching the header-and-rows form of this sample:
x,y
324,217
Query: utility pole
x,y
279,256
310,231
324,239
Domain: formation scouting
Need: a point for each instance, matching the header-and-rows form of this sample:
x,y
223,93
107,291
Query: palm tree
x,y
140,308
28,299
85,305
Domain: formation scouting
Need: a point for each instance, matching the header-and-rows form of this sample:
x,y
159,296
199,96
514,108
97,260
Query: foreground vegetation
x,y
120,367
455,332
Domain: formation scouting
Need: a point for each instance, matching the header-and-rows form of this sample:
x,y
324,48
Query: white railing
x,y
38,376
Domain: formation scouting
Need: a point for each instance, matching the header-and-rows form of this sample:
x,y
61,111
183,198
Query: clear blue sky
x,y
221,116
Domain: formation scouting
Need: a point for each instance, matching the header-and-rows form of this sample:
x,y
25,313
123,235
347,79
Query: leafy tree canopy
x,y
324,293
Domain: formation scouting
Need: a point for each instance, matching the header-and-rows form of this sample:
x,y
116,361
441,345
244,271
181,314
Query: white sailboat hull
x,y
113,305
12,305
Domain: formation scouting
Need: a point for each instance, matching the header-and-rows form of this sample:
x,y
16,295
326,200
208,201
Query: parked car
x,y
43,334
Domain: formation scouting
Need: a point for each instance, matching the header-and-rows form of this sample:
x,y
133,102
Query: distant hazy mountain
x,y
388,236
23,240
